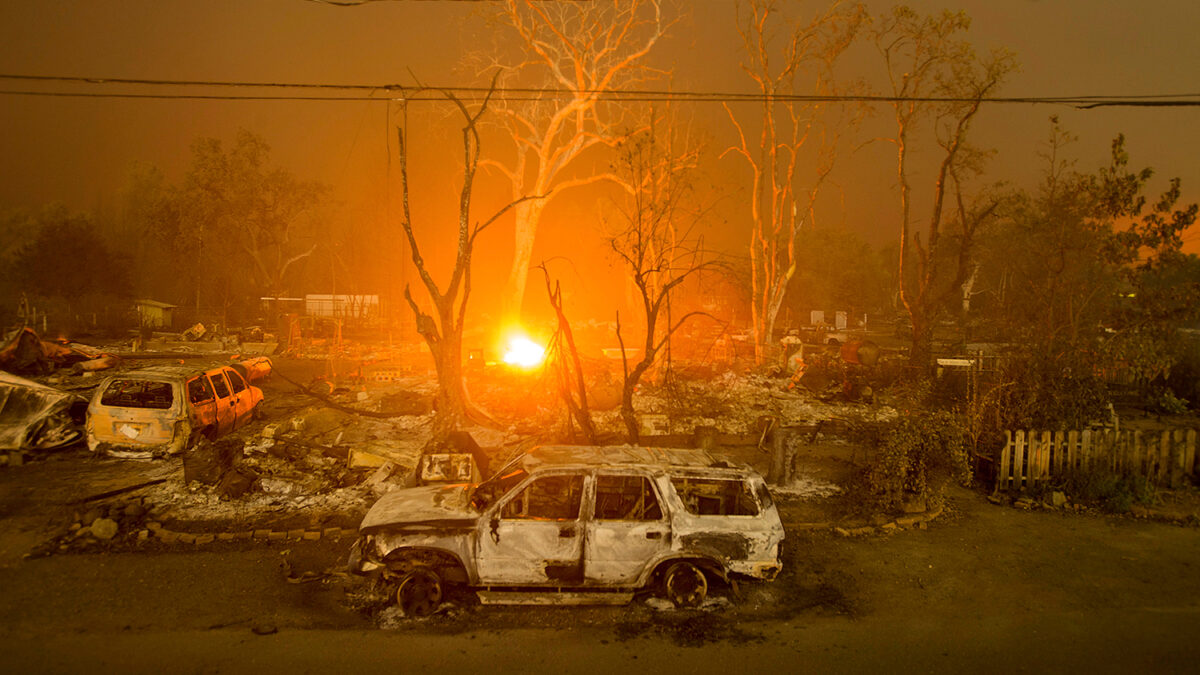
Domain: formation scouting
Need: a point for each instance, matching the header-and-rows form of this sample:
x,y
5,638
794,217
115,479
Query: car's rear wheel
x,y
419,592
684,585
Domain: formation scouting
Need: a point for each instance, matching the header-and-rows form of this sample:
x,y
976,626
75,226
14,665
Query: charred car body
x,y
164,410
598,521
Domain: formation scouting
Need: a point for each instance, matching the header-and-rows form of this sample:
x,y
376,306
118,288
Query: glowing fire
x,y
524,353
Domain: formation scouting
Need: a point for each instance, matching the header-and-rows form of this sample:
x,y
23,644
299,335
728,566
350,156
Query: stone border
x,y
917,520
155,530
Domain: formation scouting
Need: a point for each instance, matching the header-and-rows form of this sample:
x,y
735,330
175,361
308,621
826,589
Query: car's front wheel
x,y
685,585
419,592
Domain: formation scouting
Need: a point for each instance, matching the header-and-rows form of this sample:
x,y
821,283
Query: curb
x,y
918,521
154,530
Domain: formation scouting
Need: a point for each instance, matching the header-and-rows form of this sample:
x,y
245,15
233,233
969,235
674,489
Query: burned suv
x,y
596,523
164,410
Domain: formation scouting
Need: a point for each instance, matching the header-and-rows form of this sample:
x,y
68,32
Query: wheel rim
x,y
685,585
419,593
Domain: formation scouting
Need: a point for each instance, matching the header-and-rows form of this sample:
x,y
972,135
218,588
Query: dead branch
x,y
578,409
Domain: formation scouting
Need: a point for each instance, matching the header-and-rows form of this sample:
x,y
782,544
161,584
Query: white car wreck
x,y
576,524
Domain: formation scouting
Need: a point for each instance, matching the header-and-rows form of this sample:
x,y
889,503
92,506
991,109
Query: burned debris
x,y
24,353
37,417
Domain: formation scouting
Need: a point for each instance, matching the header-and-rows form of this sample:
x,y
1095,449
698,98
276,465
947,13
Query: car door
x,y
243,399
226,412
628,529
533,536
202,401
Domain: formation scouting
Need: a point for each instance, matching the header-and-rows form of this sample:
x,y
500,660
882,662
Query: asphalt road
x,y
984,589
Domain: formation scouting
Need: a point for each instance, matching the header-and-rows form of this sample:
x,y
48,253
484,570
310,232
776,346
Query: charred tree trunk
x,y
633,377
443,336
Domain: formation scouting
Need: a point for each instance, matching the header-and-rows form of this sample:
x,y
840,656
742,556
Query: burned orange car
x,y
153,412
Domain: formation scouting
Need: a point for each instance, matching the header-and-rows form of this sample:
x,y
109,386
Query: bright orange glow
x,y
524,353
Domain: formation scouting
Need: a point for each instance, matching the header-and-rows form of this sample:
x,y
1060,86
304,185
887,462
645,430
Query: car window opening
x,y
715,497
138,394
236,381
626,498
488,491
199,390
547,498
219,384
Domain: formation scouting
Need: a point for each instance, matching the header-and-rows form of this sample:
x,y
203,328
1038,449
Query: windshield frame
x,y
501,483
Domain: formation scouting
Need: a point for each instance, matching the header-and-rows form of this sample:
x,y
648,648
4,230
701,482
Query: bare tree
x,y
564,358
581,50
926,58
780,203
659,253
443,334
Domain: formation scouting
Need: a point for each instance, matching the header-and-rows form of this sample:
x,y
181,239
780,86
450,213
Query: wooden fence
x,y
1167,458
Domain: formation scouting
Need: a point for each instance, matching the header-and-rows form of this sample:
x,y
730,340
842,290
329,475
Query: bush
x,y
917,457
1110,490
1165,402
1044,389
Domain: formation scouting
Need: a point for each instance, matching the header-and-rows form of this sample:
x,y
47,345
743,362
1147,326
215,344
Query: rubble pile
x,y
315,454
195,506
112,523
734,404
312,460
23,352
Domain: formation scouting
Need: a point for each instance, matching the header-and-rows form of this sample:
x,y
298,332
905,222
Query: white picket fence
x,y
1167,458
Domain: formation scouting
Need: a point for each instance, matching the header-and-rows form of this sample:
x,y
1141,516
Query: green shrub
x,y
917,457
1164,401
1108,489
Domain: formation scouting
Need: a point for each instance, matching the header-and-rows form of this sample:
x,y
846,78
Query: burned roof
x,y
621,455
162,372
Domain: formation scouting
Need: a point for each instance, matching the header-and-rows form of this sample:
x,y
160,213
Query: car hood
x,y
430,504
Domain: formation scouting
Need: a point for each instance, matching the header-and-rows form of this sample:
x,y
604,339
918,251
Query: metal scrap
x,y
36,417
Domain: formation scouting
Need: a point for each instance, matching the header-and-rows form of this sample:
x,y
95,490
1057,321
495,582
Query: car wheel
x,y
420,592
684,585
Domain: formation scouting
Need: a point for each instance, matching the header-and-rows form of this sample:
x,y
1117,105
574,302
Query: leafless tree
x,y
926,57
657,245
443,332
581,50
782,200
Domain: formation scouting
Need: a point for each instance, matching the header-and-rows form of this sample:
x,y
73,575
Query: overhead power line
x,y
382,92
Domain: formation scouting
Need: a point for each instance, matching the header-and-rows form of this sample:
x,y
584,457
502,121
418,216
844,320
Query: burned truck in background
x,y
585,523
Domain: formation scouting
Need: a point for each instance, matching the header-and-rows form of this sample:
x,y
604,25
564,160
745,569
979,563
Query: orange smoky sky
x,y
78,150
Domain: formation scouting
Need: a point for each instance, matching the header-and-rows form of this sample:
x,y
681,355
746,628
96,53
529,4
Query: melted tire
x,y
419,592
685,585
